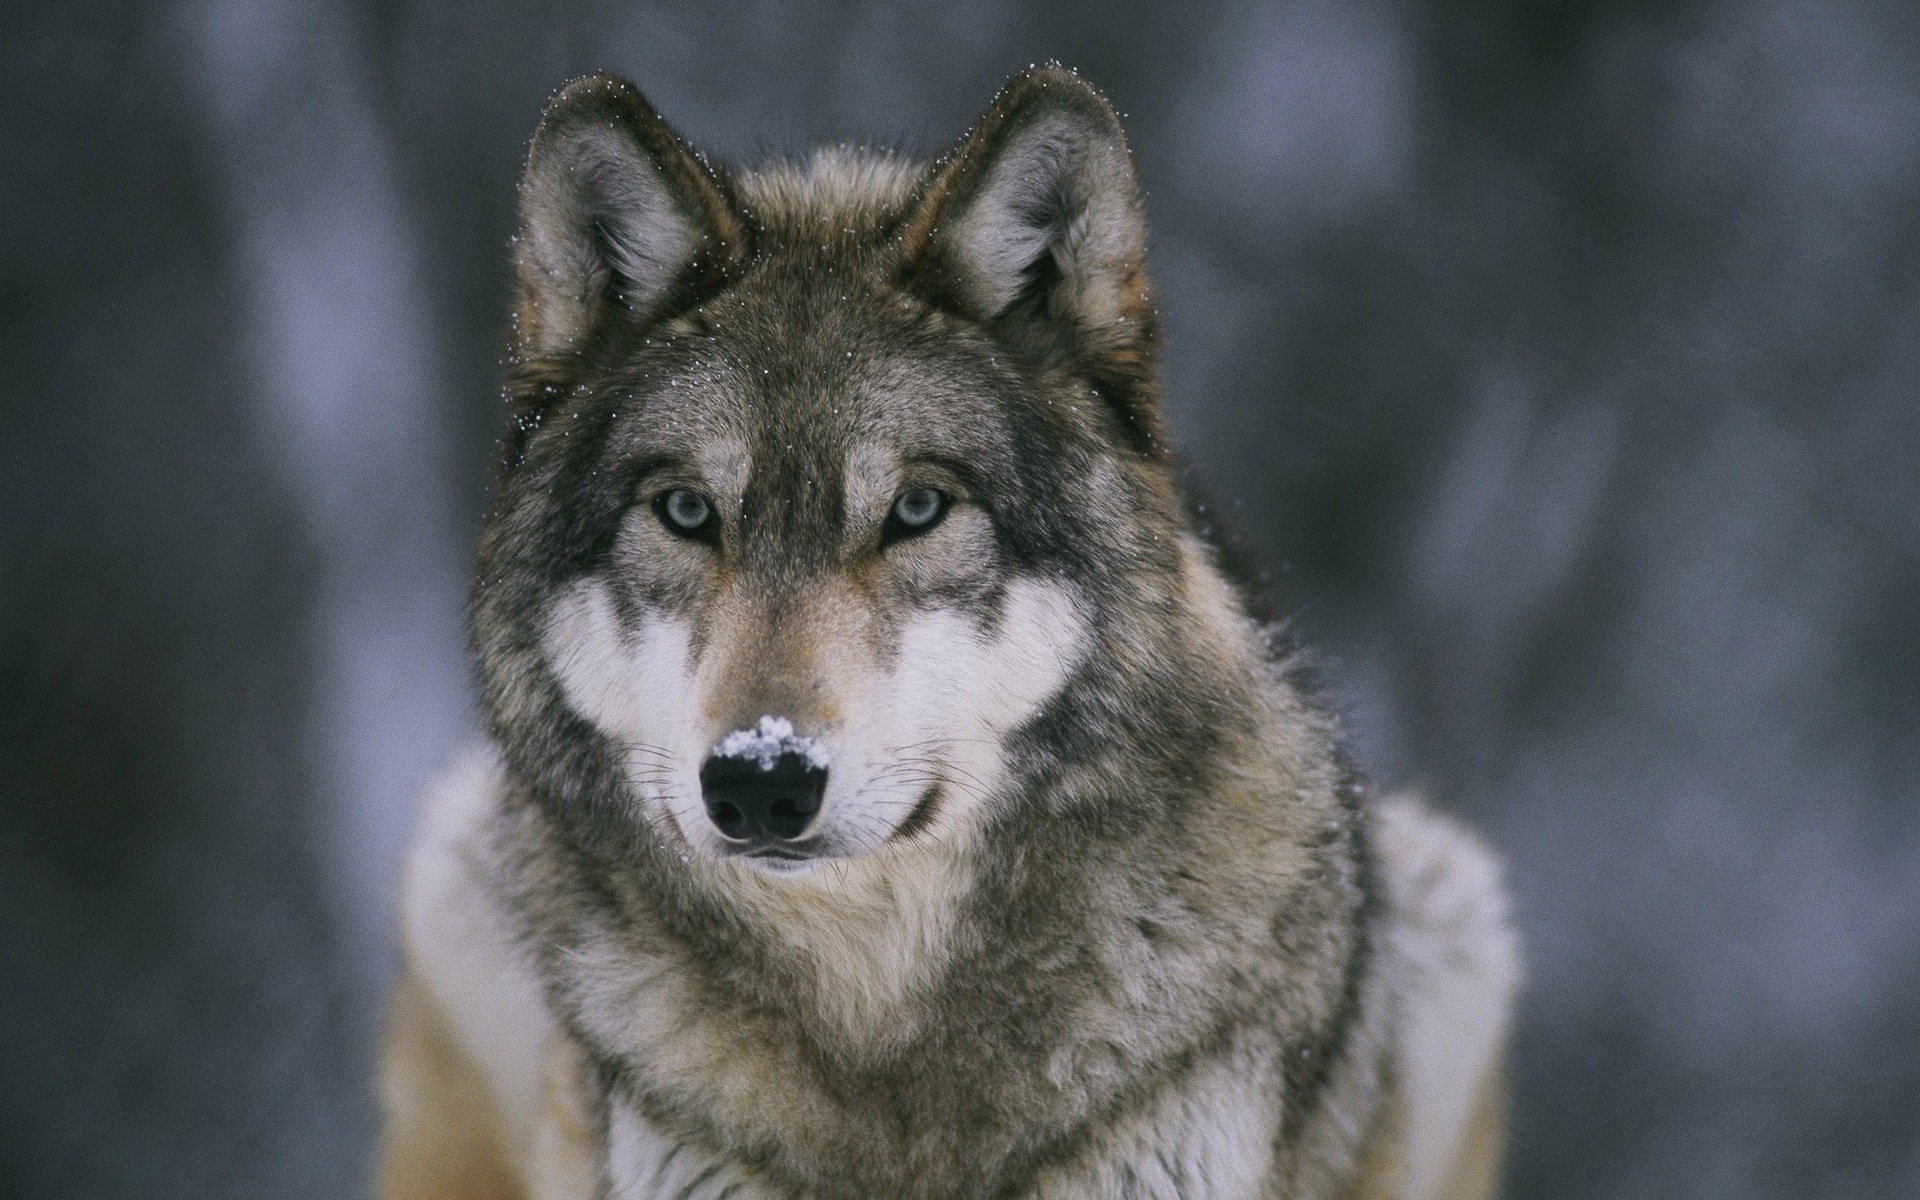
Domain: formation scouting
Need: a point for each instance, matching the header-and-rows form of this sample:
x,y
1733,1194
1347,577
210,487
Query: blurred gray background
x,y
1560,359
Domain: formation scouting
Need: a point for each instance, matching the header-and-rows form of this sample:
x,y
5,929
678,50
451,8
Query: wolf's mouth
x,y
776,852
780,860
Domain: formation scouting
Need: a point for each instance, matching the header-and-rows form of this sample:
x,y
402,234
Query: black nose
x,y
747,801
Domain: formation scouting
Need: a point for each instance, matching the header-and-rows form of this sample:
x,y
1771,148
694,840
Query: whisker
x,y
951,739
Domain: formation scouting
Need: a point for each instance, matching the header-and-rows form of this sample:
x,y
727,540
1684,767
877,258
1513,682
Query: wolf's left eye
x,y
687,513
915,512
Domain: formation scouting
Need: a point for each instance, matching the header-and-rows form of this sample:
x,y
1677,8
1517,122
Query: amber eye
x,y
913,513
687,513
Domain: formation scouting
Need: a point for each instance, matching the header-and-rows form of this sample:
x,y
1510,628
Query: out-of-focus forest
x,y
1562,361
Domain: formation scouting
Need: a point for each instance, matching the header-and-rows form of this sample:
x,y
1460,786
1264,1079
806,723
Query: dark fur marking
x,y
666,1161
694,1185
1177,1174
922,816
1325,1054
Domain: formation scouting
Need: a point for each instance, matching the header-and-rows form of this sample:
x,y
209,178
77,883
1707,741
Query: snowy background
x,y
1562,359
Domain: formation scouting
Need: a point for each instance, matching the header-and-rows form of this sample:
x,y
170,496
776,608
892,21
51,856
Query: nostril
x,y
728,818
784,818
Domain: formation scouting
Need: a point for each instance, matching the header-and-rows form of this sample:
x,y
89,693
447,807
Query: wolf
x,y
888,791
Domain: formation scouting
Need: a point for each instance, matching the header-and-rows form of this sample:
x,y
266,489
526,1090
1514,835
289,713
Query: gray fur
x,y
1149,952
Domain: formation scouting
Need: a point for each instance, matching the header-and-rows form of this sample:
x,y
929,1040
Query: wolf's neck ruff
x,y
894,797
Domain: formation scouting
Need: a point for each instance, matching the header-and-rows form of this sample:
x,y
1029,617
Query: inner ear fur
x,y
619,219
1033,225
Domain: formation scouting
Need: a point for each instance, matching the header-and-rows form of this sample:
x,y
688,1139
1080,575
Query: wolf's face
x,y
808,634
825,482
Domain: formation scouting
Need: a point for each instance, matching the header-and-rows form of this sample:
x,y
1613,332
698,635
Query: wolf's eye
x,y
915,512
687,513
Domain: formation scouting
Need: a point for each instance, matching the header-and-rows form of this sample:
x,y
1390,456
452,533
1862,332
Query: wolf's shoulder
x,y
1445,884
458,941
1456,957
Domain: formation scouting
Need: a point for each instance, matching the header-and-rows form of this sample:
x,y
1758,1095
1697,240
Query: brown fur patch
x,y
1382,1171
444,1139
565,1148
1476,1173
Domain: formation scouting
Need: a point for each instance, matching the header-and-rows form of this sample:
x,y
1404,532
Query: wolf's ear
x,y
618,218
1034,225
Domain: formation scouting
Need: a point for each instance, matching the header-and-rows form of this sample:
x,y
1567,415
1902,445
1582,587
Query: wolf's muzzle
x,y
753,799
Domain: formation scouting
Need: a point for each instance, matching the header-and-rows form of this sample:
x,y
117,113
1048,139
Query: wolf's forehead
x,y
817,400
724,463
824,442
865,473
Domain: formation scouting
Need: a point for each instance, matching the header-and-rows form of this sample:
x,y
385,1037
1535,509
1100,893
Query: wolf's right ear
x,y
618,218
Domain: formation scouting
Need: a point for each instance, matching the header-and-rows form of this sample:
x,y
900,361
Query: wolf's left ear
x,y
1034,226
618,218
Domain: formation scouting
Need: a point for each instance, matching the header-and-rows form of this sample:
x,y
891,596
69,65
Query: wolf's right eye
x,y
687,513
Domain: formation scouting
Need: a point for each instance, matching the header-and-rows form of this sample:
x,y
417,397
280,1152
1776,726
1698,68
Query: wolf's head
x,y
833,504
